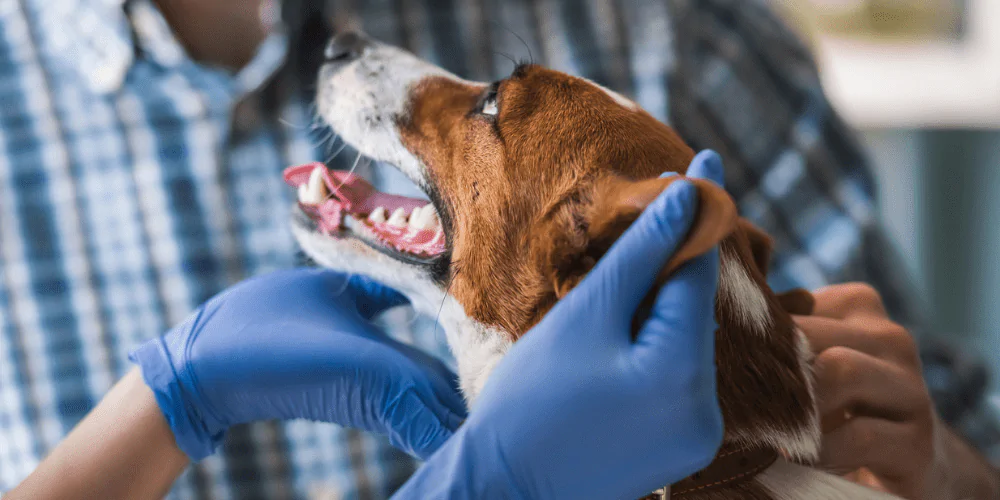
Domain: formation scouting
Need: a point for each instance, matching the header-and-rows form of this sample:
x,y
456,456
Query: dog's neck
x,y
476,347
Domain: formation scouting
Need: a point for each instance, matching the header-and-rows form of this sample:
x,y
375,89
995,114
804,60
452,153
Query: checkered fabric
x,y
135,184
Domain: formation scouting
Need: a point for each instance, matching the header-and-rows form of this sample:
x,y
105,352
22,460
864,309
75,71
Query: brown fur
x,y
532,200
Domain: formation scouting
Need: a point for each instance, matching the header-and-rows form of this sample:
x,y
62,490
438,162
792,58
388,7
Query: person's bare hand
x,y
880,428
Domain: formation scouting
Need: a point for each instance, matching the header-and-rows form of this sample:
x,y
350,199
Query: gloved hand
x,y
298,344
577,409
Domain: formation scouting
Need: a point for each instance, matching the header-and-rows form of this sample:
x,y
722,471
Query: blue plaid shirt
x,y
135,184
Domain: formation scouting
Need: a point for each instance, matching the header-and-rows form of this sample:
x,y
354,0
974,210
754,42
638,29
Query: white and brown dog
x,y
530,180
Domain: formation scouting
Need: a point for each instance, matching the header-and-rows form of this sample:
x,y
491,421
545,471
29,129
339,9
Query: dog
x,y
529,181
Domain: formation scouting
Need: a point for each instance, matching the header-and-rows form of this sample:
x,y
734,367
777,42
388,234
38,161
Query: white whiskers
x,y
354,167
336,153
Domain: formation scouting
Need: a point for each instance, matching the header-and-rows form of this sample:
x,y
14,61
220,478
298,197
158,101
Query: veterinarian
x,y
141,144
576,410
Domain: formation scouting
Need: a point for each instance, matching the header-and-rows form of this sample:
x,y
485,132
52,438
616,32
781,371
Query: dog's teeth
x,y
427,218
314,191
432,216
416,218
377,215
316,183
398,218
422,217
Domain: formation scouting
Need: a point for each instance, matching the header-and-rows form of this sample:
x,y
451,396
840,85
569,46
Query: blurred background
x,y
920,79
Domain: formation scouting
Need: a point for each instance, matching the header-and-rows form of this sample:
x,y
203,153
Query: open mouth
x,y
342,205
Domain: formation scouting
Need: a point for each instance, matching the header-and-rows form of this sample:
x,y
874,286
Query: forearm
x,y
972,476
123,449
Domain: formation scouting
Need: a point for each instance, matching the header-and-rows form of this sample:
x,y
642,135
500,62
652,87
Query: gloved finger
x,y
621,279
413,426
443,381
708,165
372,297
681,325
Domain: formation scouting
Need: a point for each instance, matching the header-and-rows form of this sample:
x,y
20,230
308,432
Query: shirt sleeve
x,y
744,85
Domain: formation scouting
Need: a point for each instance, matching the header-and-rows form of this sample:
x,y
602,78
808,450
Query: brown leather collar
x,y
733,465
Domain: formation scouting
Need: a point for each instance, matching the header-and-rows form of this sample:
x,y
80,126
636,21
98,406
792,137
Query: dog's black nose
x,y
345,47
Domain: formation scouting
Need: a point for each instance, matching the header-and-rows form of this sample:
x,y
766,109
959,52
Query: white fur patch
x,y
363,100
623,101
477,348
743,295
788,481
806,448
801,444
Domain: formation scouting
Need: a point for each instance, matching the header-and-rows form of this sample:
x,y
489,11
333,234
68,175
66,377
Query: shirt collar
x,y
95,37
89,36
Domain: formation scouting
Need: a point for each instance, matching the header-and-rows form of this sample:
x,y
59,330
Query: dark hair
x,y
308,25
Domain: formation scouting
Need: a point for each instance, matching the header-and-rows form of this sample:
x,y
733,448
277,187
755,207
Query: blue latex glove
x,y
298,344
577,409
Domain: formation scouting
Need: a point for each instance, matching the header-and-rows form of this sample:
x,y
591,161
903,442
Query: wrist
x,y
467,466
176,400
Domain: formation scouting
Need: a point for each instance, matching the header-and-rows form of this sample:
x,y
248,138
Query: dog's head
x,y
530,180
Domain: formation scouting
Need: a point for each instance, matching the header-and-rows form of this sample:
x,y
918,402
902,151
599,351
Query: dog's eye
x,y
487,104
490,105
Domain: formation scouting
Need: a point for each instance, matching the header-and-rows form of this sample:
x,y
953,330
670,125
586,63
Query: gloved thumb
x,y
623,277
372,297
414,428
707,165
681,324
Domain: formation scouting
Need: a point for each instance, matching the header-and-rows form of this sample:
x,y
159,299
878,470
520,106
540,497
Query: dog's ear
x,y
581,230
761,245
797,301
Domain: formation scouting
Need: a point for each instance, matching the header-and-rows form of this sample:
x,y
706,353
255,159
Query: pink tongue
x,y
352,192
354,195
